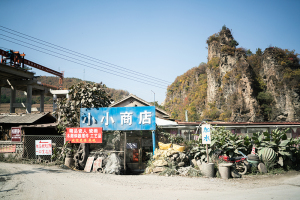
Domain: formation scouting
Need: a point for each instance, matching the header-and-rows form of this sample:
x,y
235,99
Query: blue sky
x,y
160,39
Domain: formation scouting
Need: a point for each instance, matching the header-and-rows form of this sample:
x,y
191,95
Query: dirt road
x,y
22,181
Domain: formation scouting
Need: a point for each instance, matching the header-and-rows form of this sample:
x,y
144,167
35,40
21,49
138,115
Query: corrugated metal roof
x,y
21,119
239,123
50,125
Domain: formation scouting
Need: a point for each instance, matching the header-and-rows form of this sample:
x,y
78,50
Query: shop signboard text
x,y
84,135
16,134
119,118
43,147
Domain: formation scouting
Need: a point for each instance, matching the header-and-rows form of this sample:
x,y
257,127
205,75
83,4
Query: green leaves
x,y
284,143
176,139
229,144
81,96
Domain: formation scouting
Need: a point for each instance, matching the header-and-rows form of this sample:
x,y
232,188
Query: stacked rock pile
x,y
170,160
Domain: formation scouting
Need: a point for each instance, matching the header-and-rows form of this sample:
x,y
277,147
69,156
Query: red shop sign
x,y
84,135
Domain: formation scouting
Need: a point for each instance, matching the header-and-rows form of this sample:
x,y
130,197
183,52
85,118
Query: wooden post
x,y
207,154
42,101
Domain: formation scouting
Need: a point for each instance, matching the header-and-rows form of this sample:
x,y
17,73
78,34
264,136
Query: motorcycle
x,y
240,164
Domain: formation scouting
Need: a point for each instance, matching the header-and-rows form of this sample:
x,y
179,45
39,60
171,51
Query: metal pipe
x,y
153,132
125,143
153,139
154,98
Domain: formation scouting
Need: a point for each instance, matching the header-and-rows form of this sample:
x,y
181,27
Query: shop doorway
x,y
138,150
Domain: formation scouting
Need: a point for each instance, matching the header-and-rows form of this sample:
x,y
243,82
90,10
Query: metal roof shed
x,y
30,123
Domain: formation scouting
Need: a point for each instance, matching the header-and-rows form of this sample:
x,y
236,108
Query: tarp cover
x,y
163,122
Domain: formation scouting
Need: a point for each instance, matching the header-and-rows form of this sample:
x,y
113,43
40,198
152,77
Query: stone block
x,y
262,168
194,162
158,169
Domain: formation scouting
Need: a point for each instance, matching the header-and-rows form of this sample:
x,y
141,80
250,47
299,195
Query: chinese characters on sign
x,y
119,118
16,134
8,149
84,135
206,138
89,164
43,147
97,165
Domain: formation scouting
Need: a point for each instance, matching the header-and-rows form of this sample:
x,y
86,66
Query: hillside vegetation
x,y
238,85
187,92
51,80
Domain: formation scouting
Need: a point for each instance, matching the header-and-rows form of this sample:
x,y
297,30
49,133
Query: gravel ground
x,y
24,181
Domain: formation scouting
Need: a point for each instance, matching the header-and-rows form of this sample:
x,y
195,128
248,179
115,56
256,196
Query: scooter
x,y
240,164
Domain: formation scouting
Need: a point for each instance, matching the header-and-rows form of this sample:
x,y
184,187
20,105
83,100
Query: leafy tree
x,y
224,27
234,43
249,52
81,96
265,100
259,52
5,99
157,105
214,37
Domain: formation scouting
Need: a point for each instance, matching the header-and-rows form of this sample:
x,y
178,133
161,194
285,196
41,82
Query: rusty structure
x,y
17,60
16,75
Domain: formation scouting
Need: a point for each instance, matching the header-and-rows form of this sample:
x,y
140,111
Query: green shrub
x,y
214,37
233,43
285,57
193,173
214,63
258,52
249,52
265,100
241,50
226,49
224,28
168,172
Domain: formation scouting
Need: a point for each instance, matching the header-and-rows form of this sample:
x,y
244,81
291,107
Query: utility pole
x,y
154,98
153,132
83,74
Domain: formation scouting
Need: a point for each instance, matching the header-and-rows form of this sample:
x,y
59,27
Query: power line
x,y
4,48
110,65
72,57
83,55
82,64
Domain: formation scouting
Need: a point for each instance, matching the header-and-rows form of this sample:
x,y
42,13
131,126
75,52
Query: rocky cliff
x,y
239,85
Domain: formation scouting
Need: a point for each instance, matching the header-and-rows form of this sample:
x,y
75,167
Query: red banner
x,y
8,149
84,135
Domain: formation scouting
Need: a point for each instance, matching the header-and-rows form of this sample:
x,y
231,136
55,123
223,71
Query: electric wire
x,y
110,65
69,56
82,55
64,55
84,64
4,48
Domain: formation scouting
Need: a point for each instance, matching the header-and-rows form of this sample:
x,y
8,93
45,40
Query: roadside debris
x,y
113,165
168,161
